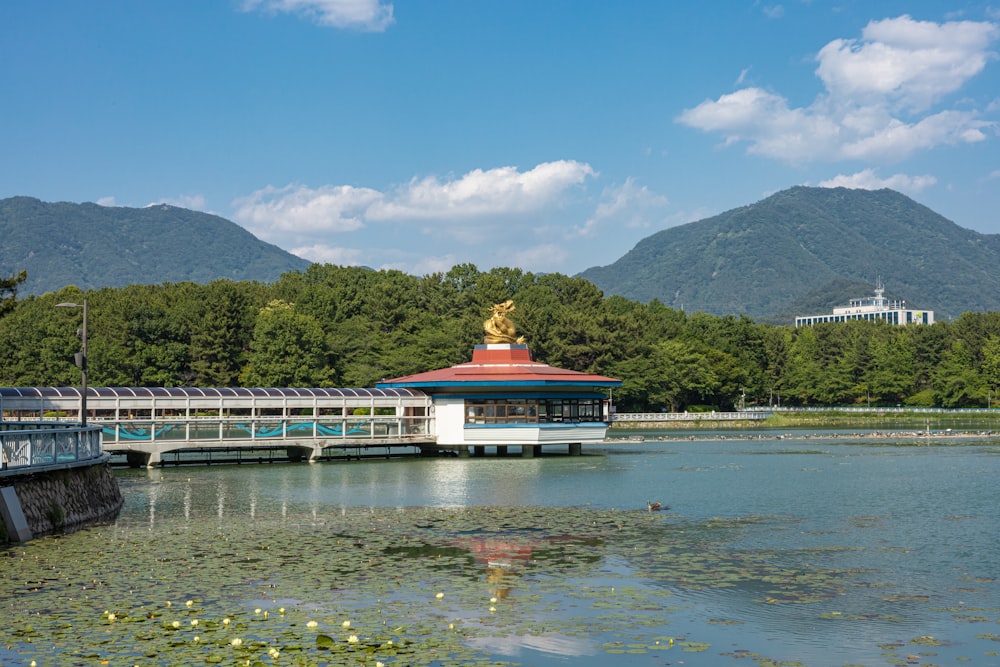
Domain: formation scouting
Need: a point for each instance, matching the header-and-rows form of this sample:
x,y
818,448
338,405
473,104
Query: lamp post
x,y
81,357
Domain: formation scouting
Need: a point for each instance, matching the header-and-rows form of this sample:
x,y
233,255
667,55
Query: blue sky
x,y
548,135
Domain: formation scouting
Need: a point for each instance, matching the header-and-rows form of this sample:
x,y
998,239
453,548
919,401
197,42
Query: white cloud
x,y
627,205
482,193
193,202
912,63
867,179
502,211
298,210
106,201
371,15
876,90
324,254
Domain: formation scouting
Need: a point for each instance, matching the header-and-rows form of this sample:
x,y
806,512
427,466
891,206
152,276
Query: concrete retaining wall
x,y
67,499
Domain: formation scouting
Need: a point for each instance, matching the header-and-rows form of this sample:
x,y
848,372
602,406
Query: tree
x,y
289,349
8,291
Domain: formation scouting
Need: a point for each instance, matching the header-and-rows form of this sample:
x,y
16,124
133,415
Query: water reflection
x,y
824,551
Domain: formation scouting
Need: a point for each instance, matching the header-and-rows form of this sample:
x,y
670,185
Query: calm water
x,y
818,551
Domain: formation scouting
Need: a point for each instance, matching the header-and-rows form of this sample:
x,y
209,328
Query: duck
x,y
655,506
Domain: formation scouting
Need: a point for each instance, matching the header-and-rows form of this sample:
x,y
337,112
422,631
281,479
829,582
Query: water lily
x,y
311,624
439,596
194,621
225,621
273,652
236,641
175,624
353,639
190,603
281,610
346,624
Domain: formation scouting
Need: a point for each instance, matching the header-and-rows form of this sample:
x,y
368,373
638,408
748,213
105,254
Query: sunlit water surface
x,y
897,546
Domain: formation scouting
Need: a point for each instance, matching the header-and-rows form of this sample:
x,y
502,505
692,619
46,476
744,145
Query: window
x,y
532,411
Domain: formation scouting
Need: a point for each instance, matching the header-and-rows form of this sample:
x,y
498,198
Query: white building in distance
x,y
876,307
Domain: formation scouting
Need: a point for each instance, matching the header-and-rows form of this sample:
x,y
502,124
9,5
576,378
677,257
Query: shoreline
x,y
910,436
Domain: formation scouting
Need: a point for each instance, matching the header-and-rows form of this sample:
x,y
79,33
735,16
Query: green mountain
x,y
93,246
804,250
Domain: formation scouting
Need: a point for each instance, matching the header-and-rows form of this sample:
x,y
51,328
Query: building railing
x,y
45,443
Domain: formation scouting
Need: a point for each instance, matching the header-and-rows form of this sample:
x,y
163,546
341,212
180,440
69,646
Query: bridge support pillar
x,y
527,451
463,451
575,448
501,450
479,450
139,459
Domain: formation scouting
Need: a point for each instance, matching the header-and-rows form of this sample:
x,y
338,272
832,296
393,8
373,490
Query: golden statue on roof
x,y
498,328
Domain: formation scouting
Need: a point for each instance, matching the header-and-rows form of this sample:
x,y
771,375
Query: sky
x,y
549,135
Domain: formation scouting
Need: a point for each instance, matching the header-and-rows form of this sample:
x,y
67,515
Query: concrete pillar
x,y
501,450
13,516
463,451
479,450
527,451
575,449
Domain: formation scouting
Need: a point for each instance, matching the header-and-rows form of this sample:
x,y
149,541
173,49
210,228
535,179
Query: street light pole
x,y
81,358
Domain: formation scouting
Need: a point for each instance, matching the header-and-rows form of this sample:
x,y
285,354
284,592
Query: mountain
x,y
93,246
804,250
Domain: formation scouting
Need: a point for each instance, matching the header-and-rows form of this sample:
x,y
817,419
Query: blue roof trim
x,y
590,394
504,383
546,425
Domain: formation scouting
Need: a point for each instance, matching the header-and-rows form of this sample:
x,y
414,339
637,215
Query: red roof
x,y
501,365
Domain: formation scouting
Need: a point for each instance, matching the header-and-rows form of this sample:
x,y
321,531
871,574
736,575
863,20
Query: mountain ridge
x,y
770,259
93,246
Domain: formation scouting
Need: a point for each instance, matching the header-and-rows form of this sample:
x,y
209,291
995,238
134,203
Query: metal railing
x,y
898,409
45,443
622,417
262,429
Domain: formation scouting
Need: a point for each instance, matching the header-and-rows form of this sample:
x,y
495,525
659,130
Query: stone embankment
x,y
65,500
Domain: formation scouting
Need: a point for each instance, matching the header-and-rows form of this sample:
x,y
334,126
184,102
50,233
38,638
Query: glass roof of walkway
x,y
207,392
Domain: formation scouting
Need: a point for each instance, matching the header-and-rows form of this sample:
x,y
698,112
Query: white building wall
x,y
449,417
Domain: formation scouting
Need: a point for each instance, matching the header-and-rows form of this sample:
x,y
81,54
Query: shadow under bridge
x,y
156,425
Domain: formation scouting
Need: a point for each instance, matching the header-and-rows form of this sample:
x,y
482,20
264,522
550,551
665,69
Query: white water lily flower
x,y
346,624
236,641
311,624
353,639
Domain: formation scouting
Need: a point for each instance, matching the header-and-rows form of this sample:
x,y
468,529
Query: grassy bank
x,y
893,420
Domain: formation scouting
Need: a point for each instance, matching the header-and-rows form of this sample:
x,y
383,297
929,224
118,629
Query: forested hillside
x,y
351,327
93,246
803,250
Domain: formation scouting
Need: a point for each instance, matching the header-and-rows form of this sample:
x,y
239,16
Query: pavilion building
x,y
503,398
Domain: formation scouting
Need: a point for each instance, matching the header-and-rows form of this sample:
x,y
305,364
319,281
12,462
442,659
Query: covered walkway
x,y
146,423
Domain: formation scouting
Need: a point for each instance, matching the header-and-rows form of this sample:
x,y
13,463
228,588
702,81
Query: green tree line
x,y
333,326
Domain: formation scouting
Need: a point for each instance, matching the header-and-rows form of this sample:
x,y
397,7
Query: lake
x,y
812,551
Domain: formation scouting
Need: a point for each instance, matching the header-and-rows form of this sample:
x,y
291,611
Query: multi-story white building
x,y
876,307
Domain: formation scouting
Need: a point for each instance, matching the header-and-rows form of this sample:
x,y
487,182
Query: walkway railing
x,y
873,409
45,443
266,430
625,417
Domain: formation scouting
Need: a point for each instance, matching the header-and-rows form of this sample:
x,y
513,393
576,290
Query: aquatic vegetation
x,y
418,586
